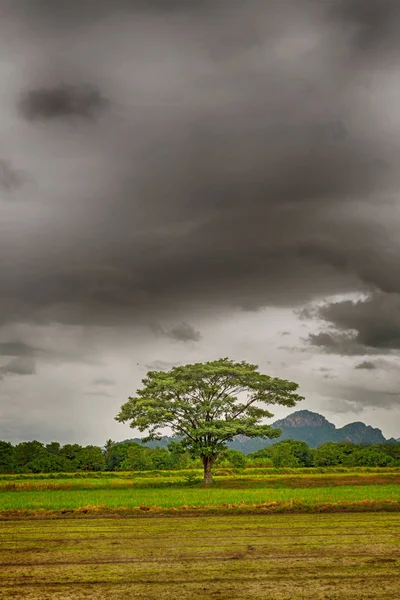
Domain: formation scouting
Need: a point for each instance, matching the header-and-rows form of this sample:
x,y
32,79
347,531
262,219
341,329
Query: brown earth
x,y
250,557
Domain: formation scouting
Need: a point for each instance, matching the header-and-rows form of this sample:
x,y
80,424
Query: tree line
x,y
206,405
35,457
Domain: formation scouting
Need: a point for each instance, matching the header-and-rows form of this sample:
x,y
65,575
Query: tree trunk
x,y
208,463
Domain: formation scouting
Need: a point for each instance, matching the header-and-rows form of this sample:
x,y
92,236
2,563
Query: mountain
x,y
315,429
304,425
308,427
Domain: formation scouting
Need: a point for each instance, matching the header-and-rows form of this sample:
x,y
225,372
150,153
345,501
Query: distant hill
x,y
307,426
315,429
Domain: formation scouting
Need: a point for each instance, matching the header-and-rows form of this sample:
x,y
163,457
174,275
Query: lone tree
x,y
207,404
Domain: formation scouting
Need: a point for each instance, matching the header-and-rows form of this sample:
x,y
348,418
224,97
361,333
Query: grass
x,y
192,497
174,474
352,490
275,557
244,480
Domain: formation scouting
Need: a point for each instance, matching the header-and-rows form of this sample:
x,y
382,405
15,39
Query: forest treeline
x,y
35,457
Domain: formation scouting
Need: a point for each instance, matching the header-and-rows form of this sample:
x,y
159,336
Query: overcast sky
x,y
185,180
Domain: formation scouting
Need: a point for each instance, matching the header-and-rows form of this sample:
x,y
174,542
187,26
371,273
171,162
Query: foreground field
x,y
276,557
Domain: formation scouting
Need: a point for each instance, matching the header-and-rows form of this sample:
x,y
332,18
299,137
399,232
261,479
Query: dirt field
x,y
275,557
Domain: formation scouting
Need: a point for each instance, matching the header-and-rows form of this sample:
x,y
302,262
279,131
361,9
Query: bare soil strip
x,y
246,557
293,507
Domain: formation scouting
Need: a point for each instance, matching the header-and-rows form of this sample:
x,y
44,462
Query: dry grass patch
x,y
249,557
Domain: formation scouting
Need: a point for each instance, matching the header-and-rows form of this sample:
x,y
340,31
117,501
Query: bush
x,y
191,479
232,458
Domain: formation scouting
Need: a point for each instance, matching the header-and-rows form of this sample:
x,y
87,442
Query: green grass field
x,y
191,497
311,491
272,557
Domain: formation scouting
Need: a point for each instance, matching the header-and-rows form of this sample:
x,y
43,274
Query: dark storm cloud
x,y
243,166
18,349
45,13
62,102
183,332
367,326
366,364
374,24
334,342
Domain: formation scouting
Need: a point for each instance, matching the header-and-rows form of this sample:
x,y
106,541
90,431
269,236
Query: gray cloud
x,y
161,365
181,196
100,393
183,332
55,348
61,102
327,373
44,13
18,349
19,366
372,24
366,364
334,342
248,157
10,178
356,398
104,381
367,326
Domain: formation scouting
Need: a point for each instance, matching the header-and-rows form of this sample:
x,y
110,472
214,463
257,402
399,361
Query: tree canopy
x,y
208,404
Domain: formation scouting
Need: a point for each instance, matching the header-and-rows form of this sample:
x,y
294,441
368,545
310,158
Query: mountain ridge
x,y
304,425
